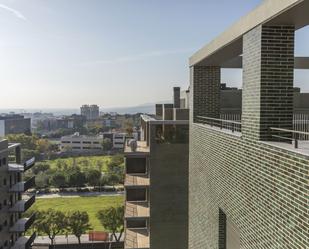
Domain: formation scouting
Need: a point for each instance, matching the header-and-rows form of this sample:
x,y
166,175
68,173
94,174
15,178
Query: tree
x,y
128,124
78,223
93,177
40,167
50,222
58,180
107,144
43,145
76,178
112,219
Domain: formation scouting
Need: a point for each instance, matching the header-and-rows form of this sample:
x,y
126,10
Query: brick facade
x,y
268,71
206,91
262,189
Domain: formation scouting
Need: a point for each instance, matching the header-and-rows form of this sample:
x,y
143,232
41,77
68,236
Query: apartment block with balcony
x,y
13,202
156,181
249,182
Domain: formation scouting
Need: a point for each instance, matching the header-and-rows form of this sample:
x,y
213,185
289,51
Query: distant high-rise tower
x,y
91,112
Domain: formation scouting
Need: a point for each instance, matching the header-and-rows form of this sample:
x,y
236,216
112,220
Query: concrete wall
x,y
169,196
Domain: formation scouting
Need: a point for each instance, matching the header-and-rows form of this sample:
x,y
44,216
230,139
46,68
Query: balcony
x,y
23,186
15,167
137,210
24,242
22,205
136,181
141,148
22,225
228,126
137,238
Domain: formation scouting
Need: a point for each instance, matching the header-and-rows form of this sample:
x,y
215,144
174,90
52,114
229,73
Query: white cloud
x,y
15,12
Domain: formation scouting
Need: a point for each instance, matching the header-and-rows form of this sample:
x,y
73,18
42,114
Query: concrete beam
x,y
229,44
300,63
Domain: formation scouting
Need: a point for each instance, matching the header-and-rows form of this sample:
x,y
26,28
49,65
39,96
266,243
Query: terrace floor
x,y
133,180
137,210
137,238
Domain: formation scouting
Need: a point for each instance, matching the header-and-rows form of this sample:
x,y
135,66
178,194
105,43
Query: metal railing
x,y
295,135
233,126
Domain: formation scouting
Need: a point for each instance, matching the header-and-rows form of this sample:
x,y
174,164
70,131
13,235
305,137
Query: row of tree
x,y
78,174
54,222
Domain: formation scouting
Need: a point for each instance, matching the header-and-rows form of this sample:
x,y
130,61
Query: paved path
x,y
78,194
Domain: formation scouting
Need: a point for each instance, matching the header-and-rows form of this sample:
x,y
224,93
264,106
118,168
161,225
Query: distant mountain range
x,y
144,108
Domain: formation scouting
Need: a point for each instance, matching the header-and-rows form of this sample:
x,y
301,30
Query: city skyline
x,y
109,53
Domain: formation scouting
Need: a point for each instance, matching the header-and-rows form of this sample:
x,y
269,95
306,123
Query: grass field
x,y
97,162
89,204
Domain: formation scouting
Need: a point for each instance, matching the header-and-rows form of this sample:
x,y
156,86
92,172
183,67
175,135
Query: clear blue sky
x,y
64,53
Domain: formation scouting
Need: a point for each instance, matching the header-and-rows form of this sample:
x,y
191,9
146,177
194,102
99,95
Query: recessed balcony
x,y
22,225
23,186
22,205
24,242
136,181
137,238
137,210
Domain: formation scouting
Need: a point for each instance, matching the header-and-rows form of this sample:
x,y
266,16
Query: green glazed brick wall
x,y
262,189
268,72
206,97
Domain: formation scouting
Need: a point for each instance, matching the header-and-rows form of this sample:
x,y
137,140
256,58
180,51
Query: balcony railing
x,y
290,136
22,225
15,167
24,242
23,186
233,126
22,205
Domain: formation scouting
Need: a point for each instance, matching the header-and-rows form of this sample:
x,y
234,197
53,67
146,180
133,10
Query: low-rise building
x,y
80,143
13,225
14,124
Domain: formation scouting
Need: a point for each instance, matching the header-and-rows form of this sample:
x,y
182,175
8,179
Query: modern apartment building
x,y
12,202
91,112
156,181
248,180
14,124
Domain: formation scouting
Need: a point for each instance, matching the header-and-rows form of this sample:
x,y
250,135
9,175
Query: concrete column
x,y
159,111
18,154
268,72
176,97
205,82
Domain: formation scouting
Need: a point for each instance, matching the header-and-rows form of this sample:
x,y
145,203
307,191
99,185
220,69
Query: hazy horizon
x,y
114,53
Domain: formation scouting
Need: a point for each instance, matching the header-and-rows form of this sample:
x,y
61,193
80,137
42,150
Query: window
x,y
4,161
86,142
229,235
0,162
4,181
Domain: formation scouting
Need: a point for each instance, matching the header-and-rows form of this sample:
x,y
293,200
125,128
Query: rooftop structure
x,y
249,178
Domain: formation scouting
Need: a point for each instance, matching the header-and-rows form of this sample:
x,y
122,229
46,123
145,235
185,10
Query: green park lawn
x,y
89,204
